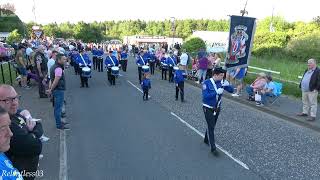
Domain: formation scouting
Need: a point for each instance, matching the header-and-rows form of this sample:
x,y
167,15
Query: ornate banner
x,y
241,35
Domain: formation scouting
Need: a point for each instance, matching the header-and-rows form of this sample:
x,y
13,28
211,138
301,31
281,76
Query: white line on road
x,y
219,147
63,171
136,87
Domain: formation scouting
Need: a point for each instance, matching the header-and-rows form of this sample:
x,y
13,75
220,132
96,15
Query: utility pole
x,y
173,28
34,11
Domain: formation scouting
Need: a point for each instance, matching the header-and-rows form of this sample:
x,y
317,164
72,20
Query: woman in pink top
x,y
257,84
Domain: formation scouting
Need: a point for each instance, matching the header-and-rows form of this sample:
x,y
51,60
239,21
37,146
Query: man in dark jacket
x,y
310,85
41,69
25,144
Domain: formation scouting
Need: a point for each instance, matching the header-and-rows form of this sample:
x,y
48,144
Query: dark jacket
x,y
62,82
24,143
314,81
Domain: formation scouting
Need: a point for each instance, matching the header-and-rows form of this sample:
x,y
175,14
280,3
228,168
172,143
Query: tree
x,y
14,36
7,9
193,45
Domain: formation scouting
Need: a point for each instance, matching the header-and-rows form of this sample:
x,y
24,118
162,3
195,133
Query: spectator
x,y
21,65
25,145
203,66
268,90
257,85
42,69
310,85
238,79
184,60
7,169
217,60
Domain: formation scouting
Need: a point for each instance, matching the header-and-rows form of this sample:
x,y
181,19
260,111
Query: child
x,y
146,85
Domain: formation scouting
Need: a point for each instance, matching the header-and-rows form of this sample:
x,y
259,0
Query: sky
x,y
48,11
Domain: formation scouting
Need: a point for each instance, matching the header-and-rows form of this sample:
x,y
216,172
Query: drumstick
x,y
35,120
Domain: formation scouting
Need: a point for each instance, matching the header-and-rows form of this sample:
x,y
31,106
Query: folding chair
x,y
278,92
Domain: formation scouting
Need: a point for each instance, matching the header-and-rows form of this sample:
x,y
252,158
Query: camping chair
x,y
278,92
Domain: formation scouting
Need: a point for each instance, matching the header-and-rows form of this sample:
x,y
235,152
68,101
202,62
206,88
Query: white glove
x,y
225,83
220,91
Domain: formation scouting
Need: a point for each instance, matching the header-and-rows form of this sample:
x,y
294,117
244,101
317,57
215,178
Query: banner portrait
x,y
241,35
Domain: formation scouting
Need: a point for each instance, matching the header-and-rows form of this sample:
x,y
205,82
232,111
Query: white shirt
x,y
29,51
184,59
50,64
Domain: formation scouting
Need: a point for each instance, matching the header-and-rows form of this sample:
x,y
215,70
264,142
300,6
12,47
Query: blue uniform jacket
x,y
146,84
124,55
108,62
86,58
171,61
178,76
99,52
94,52
209,95
141,62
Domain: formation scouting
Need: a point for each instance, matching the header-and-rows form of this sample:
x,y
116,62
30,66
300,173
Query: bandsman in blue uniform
x,y
152,61
141,60
94,57
83,61
124,60
111,61
179,76
212,90
171,61
100,54
164,67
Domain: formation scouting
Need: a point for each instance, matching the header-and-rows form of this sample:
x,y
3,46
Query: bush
x,y
305,47
269,43
14,36
193,45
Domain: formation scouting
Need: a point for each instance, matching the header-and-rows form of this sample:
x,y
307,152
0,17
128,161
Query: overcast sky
x,y
48,11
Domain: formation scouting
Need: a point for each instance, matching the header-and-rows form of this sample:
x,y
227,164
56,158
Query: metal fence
x,y
8,72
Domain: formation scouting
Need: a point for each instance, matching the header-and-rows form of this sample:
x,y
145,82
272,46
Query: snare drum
x,y
115,70
86,72
145,69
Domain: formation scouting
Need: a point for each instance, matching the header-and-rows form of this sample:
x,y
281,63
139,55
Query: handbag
x,y
257,97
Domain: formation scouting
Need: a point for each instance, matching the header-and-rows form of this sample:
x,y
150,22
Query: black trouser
x,y
140,74
28,165
211,119
42,89
124,63
111,78
76,68
180,87
152,65
94,61
100,64
170,74
145,94
209,74
84,80
164,72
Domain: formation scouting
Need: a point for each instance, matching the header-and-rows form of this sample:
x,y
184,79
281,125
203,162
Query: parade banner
x,y
241,35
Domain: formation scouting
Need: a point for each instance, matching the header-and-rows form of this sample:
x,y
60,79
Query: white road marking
x,y
63,171
219,147
136,87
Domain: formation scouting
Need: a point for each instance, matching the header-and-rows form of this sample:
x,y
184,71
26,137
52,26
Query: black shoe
x,y
43,96
64,123
215,152
63,127
206,142
63,115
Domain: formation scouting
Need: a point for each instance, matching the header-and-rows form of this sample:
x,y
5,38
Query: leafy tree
x,y
193,45
14,36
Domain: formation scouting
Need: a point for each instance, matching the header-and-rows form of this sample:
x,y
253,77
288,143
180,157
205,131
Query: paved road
x,y
117,135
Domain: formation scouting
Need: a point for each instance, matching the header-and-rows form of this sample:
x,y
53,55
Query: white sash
x,y
112,61
215,88
172,60
83,61
142,60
